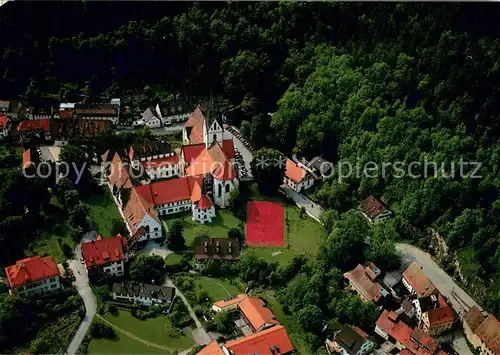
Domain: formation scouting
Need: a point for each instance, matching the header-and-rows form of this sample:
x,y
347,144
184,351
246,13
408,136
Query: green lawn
x,y
217,229
217,289
154,330
48,244
173,259
102,211
302,235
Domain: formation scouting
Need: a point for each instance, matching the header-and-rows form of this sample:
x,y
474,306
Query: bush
x,y
101,330
66,249
112,309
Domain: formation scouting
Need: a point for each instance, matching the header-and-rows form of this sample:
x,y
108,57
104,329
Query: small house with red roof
x,y
35,275
482,331
416,282
350,340
363,280
39,128
204,210
5,125
106,255
297,177
374,210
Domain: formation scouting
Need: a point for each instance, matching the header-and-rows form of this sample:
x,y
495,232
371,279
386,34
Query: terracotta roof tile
x,y
235,300
295,172
489,332
191,152
474,318
194,126
205,203
418,280
372,207
30,270
261,342
370,289
228,147
28,125
104,251
256,312
424,340
441,315
211,349
211,160
162,162
135,210
172,190
3,121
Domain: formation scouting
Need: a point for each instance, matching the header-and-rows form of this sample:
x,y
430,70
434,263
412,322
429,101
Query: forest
x,y
356,82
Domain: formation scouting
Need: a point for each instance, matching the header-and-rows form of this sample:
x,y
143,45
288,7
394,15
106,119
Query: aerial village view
x,y
249,178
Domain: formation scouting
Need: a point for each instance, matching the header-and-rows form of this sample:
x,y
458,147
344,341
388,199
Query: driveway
x,y
458,298
200,336
313,210
82,286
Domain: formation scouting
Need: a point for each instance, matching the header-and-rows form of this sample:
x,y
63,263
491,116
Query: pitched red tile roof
x,y
191,152
418,280
474,318
103,251
295,172
162,162
424,340
228,147
211,349
136,208
65,113
28,125
370,289
27,159
172,190
211,160
261,342
372,207
194,126
441,315
30,270
256,312
489,332
119,176
205,203
235,300
225,172
3,121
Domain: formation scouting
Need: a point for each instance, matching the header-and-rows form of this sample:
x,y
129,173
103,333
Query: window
x,y
228,187
220,190
156,228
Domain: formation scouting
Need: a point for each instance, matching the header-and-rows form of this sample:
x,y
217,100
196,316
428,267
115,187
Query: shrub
x,y
101,330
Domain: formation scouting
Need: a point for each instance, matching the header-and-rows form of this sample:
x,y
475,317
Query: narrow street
x,y
199,334
313,210
82,285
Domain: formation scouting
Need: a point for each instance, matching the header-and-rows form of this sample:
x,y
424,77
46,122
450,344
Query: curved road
x,y
82,286
445,284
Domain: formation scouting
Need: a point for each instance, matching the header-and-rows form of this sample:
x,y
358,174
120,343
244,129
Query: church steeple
x,y
213,121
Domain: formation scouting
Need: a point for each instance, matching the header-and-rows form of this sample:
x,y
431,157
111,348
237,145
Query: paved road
x,y
312,209
82,286
444,284
199,334
175,128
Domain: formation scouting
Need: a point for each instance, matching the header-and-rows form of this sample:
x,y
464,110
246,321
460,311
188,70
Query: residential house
x,y
256,314
40,113
107,112
321,167
416,282
363,280
11,109
177,111
350,340
63,130
271,341
158,160
216,249
148,119
106,255
408,308
390,327
297,177
374,210
437,321
483,332
5,125
424,304
33,276
228,304
144,294
40,128
141,218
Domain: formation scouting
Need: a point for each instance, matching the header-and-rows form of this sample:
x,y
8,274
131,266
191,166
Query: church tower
x,y
214,127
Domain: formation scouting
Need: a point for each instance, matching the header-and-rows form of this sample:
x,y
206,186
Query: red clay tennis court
x,y
265,224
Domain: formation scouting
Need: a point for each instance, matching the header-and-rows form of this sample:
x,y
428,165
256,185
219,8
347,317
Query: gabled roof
x,y
212,160
211,349
135,210
351,339
414,275
372,207
30,270
3,121
212,113
149,149
369,288
96,109
66,113
231,301
177,107
228,147
217,249
295,172
205,203
194,126
119,177
256,312
225,172
489,332
161,162
132,289
28,125
191,152
103,251
78,128
262,342
172,190
441,315
425,340
148,115
474,318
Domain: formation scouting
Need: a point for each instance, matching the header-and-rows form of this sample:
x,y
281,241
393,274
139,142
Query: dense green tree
x,y
149,269
71,199
236,233
78,217
175,238
268,169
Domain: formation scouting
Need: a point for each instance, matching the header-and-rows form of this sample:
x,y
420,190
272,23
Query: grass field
x,y
102,211
173,259
48,244
217,229
302,235
217,289
154,330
